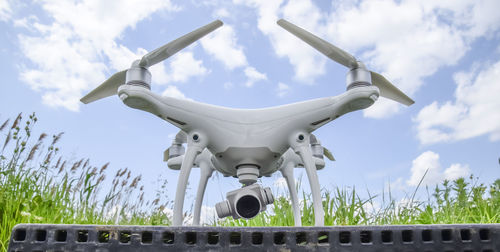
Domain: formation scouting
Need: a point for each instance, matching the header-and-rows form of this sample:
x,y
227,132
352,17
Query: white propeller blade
x,y
107,88
327,153
336,54
389,91
342,57
173,47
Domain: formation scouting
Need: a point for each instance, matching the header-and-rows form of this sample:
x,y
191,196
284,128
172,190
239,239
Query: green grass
x,y
38,185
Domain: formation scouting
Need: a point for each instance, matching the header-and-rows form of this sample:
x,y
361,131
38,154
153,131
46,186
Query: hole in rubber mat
x,y
40,235
20,235
365,237
323,238
465,235
484,234
103,236
427,235
407,236
147,237
446,235
168,237
387,236
279,238
212,238
61,235
125,236
190,238
235,238
345,237
82,236
301,238
257,238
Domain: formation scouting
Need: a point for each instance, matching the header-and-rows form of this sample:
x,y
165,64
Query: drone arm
x,y
205,173
300,144
287,172
183,114
194,148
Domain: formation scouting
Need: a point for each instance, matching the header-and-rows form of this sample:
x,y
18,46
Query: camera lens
x,y
248,206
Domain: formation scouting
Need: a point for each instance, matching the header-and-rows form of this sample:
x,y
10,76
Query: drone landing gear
x,y
196,144
300,145
205,173
287,173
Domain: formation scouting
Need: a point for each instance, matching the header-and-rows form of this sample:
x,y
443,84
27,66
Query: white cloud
x,y
429,161
221,13
282,89
26,22
184,65
405,40
5,10
475,111
223,45
253,76
456,171
426,162
381,109
173,91
67,55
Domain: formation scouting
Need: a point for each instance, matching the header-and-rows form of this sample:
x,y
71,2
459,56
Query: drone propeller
x,y
342,57
327,153
110,86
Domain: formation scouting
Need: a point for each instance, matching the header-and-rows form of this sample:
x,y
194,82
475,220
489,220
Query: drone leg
x,y
287,173
187,165
305,154
205,173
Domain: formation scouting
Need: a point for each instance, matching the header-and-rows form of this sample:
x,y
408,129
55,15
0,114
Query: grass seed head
x,y
16,122
4,124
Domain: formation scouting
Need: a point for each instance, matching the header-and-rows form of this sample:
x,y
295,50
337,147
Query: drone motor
x,y
138,76
358,77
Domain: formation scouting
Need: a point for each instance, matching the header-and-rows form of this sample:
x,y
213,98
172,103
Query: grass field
x,y
37,185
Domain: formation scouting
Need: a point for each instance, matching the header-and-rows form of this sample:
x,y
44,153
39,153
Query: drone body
x,y
239,136
246,143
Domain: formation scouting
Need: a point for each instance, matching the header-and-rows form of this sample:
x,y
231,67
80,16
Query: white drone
x,y
247,143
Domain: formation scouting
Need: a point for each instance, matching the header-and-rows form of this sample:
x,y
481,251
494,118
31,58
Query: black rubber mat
x,y
463,237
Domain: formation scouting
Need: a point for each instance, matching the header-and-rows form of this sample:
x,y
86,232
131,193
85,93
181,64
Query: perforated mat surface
x,y
46,237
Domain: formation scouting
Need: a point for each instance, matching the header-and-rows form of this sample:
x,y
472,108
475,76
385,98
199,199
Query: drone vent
x,y
176,121
320,121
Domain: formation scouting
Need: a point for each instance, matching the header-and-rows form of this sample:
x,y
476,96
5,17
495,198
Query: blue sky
x,y
443,54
